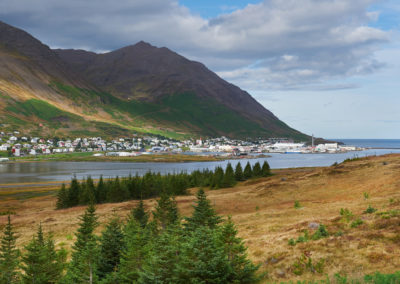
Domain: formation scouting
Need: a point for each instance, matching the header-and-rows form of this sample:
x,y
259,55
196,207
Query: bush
x,y
370,210
297,204
346,214
356,223
320,233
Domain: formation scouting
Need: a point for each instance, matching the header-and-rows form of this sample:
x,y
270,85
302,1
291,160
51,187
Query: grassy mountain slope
x,y
68,92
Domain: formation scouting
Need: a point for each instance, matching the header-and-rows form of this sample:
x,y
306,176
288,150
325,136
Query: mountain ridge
x,y
137,88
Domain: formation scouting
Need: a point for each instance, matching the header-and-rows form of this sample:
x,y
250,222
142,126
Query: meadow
x,y
279,218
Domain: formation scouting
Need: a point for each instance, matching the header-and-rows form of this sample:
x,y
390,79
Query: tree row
x,y
153,185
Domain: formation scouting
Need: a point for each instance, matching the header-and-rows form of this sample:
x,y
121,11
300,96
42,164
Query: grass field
x,y
264,210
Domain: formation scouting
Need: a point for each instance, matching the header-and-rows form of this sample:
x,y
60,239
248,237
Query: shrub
x,y
370,210
320,233
356,223
297,204
346,214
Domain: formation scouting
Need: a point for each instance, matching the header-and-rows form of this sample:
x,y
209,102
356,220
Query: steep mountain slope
x,y
138,88
148,73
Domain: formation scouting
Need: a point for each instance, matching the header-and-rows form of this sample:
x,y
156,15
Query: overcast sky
x,y
327,67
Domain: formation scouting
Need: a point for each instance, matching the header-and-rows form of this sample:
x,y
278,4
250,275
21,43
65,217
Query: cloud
x,y
278,44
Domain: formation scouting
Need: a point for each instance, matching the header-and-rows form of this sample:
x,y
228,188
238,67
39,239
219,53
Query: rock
x,y
273,260
313,225
280,273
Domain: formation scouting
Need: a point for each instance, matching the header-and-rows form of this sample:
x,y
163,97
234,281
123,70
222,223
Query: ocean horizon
x,y
371,143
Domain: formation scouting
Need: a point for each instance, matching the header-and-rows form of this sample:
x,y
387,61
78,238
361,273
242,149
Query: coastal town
x,y
16,144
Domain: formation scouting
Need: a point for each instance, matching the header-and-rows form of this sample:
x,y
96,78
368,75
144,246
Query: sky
x,y
325,67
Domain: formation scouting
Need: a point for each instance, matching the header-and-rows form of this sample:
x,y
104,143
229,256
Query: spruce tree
x,y
85,254
101,191
239,172
74,192
218,178
111,246
247,173
140,215
163,257
166,211
203,214
62,198
138,243
201,259
9,255
41,262
242,269
257,170
229,177
266,170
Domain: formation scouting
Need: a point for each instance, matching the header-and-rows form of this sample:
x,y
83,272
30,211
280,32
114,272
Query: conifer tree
x,y
201,259
266,171
239,172
84,262
101,191
137,242
74,192
111,246
41,262
163,257
62,198
218,178
257,170
247,173
203,214
229,177
140,215
166,211
9,255
242,269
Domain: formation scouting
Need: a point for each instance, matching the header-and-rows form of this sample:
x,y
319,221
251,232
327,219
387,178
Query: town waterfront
x,y
37,172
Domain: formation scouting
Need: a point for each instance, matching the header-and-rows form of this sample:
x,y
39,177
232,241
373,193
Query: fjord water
x,y
36,172
372,143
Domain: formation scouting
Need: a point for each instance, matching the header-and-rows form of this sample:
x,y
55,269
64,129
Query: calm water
x,y
62,171
372,143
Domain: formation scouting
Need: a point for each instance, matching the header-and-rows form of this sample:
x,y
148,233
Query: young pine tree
x,y
62,198
201,259
229,177
265,170
218,178
247,173
136,251
166,212
203,214
41,262
85,254
74,192
111,246
101,191
242,269
9,256
239,172
257,170
140,214
162,257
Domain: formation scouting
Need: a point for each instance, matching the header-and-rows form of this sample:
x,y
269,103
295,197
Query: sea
x,y
371,143
13,174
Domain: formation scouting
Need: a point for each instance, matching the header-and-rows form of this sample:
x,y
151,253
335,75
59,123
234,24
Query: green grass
x,y
42,110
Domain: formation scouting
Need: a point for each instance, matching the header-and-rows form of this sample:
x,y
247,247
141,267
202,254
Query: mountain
x,y
138,88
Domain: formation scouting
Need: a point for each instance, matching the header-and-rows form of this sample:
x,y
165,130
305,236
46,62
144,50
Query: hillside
x,y
138,88
358,242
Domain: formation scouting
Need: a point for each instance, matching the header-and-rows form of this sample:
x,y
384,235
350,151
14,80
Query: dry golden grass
x,y
264,212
